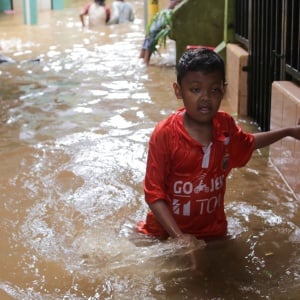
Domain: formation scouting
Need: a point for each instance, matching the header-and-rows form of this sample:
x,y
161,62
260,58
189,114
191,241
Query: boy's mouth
x,y
205,109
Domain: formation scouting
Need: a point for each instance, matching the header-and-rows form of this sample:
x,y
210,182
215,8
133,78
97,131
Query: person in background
x,y
156,26
97,11
122,12
192,152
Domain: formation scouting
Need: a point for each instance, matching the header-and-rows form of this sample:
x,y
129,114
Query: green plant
x,y
160,25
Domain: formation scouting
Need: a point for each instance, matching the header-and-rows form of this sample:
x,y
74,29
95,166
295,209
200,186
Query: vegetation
x,y
160,25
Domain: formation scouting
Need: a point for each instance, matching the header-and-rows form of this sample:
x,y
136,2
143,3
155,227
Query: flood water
x,y
73,146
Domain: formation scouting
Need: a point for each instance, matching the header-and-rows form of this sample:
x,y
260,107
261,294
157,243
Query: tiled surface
x,y
286,112
243,85
297,160
276,121
297,164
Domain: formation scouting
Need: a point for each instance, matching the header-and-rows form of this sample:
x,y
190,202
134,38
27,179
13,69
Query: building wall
x,y
5,5
197,22
285,111
42,5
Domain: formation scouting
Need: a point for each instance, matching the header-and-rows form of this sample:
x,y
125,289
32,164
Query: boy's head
x,y
200,59
100,2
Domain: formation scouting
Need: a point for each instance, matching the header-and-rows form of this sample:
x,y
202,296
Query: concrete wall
x,y
198,22
285,111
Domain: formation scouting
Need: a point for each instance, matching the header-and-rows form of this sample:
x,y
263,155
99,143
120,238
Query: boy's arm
x,y
263,139
84,12
114,17
165,218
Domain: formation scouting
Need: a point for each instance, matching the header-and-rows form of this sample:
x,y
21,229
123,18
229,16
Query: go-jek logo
x,y
200,206
205,205
187,188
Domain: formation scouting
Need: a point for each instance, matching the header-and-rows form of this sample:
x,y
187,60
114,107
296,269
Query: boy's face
x,y
201,93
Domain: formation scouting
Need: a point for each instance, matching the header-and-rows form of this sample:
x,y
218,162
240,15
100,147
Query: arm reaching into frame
x,y
263,139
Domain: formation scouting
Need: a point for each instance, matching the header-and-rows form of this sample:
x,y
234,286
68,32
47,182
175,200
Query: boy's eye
x,y
215,90
195,90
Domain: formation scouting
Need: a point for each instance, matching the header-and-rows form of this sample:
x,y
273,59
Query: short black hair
x,y
100,2
200,59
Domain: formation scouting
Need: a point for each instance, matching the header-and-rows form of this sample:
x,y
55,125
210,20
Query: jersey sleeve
x,y
157,166
241,146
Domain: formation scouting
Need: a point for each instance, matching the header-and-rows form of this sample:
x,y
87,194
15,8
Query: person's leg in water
x,y
149,42
145,51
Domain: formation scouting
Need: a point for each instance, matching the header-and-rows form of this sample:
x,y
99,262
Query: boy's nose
x,y
204,95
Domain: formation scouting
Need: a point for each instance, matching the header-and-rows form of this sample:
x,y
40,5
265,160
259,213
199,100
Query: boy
x,y
122,12
192,152
97,11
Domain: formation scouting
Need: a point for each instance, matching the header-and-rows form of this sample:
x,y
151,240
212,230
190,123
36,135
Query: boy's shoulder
x,y
224,119
175,117
222,115
174,121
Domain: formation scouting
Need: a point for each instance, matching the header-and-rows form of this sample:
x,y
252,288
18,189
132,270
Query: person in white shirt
x,y
122,12
97,11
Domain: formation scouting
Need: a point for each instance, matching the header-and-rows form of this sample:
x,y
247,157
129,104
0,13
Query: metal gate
x,y
270,32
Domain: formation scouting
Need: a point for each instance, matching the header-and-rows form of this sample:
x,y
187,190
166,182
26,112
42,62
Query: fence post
x,y
30,12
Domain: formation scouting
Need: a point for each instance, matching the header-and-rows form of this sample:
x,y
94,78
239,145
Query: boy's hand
x,y
295,132
192,244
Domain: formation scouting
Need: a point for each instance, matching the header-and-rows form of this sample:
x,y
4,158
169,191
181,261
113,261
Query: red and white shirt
x,y
191,179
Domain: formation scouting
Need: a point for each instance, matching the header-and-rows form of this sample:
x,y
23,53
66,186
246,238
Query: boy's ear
x,y
177,90
225,87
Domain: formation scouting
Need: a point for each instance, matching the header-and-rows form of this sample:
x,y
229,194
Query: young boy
x,y
192,152
122,12
97,11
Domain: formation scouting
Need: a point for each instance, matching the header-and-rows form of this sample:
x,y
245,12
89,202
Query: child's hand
x,y
192,244
190,241
296,131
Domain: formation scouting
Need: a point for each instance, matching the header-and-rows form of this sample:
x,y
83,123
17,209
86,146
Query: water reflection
x,y
74,132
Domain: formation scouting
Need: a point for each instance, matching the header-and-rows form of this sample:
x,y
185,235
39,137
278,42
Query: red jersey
x,y
191,178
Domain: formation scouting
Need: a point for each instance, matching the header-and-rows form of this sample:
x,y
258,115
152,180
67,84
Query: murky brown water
x,y
73,145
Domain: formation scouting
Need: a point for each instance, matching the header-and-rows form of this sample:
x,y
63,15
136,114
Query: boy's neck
x,y
201,132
